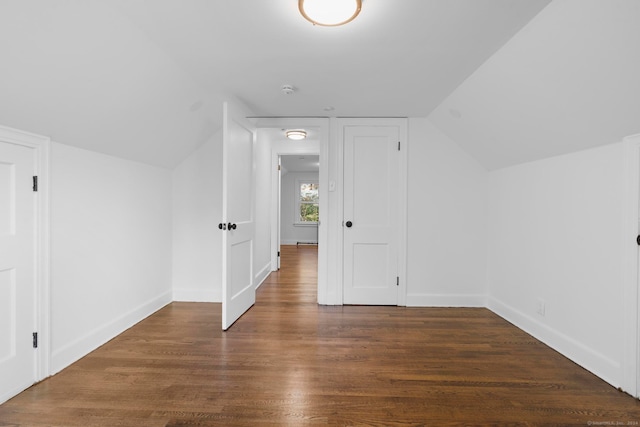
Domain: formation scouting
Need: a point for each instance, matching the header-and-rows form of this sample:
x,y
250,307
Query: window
x,y
307,206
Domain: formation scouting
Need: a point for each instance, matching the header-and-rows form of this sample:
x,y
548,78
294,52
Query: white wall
x,y
262,242
197,211
555,233
291,234
110,248
447,219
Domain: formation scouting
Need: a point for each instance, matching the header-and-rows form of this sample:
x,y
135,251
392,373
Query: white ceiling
x,y
510,81
300,163
144,79
570,80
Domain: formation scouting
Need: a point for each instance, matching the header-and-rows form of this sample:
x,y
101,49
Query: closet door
x,y
371,226
18,203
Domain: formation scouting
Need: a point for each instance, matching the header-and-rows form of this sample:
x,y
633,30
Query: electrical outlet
x,y
540,307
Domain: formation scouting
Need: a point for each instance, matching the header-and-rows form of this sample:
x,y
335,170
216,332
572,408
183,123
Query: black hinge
x,y
35,340
397,280
278,253
35,183
398,145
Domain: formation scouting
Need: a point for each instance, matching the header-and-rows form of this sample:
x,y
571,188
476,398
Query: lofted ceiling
x,y
510,81
144,79
568,81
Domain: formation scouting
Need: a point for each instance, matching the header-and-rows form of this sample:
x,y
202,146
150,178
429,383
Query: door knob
x,y
638,240
348,224
232,226
222,226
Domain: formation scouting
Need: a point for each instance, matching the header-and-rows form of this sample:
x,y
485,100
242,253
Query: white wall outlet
x,y
540,307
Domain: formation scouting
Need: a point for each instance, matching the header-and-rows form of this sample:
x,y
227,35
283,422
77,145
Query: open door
x,y
238,290
279,207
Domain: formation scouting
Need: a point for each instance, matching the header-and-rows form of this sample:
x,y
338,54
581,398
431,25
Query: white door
x,y
238,290
279,226
17,268
371,214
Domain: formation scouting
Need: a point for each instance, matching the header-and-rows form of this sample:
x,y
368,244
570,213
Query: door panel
x,y
17,268
238,290
375,257
371,180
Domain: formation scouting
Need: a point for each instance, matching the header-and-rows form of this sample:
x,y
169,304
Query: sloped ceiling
x,y
144,79
568,81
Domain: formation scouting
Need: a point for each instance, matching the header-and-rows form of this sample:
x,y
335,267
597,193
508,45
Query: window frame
x,y
299,202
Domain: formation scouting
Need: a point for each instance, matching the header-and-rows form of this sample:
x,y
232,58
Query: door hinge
x,y
397,280
398,145
278,253
35,340
279,167
35,183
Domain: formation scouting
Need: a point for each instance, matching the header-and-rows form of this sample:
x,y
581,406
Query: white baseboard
x,y
75,350
262,275
439,300
607,369
197,295
295,242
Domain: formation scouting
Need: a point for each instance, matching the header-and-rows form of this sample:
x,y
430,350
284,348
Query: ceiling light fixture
x,y
296,134
329,13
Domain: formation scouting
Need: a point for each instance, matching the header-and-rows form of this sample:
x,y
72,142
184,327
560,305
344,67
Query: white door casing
x,y
238,201
372,194
630,372
23,260
279,210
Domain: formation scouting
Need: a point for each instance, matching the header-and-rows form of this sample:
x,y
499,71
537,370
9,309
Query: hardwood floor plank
x,y
290,362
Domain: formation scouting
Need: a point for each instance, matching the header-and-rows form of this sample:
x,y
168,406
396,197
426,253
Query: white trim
x,y
197,295
262,275
631,326
41,145
335,292
444,300
85,344
607,369
323,236
337,133
296,212
403,212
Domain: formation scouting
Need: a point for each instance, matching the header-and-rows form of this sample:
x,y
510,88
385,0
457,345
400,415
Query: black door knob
x,y
231,226
348,224
638,240
222,226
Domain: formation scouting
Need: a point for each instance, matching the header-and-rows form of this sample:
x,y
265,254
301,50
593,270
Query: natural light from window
x,y
308,198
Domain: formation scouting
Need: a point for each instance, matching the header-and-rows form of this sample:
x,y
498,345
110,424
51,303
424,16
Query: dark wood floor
x,y
291,362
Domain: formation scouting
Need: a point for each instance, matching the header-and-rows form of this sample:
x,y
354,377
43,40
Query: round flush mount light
x,y
329,13
296,134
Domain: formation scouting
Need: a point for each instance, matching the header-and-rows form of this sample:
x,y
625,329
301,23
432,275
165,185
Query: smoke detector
x,y
287,89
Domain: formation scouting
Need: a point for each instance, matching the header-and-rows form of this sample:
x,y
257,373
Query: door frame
x,y
322,124
631,288
337,134
278,193
42,147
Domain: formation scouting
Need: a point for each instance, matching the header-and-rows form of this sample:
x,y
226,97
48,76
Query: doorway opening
x,y
299,199
299,192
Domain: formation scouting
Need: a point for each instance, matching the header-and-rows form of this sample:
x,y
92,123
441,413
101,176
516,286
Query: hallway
x,y
288,361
